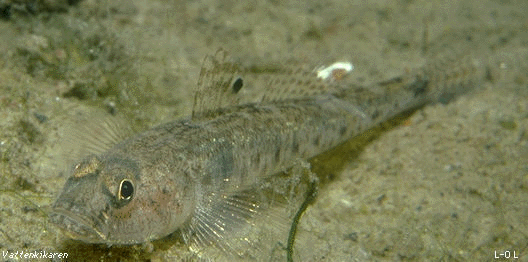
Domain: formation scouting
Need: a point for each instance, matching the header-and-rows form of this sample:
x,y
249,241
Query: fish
x,y
200,175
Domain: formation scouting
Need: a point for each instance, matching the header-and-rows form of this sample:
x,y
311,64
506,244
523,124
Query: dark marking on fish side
x,y
317,140
343,131
277,155
295,144
375,115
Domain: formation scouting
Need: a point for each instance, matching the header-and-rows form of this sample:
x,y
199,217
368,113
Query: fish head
x,y
110,200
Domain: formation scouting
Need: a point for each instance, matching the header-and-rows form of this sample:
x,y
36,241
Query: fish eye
x,y
126,190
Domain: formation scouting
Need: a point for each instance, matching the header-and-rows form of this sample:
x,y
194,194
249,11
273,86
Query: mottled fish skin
x,y
161,180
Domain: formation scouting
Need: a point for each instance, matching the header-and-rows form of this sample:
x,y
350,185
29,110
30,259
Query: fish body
x,y
180,168
183,175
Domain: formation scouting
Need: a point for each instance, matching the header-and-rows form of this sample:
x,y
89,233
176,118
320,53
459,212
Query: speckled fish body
x,y
180,168
175,176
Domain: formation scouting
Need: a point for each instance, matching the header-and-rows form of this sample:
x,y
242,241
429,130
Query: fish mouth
x,y
77,227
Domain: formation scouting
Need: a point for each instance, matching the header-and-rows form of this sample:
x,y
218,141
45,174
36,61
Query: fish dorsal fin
x,y
218,85
221,81
294,80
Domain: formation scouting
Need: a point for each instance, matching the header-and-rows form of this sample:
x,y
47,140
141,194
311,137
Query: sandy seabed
x,y
447,183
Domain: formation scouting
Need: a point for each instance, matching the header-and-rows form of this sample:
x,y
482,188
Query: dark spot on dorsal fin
x,y
237,85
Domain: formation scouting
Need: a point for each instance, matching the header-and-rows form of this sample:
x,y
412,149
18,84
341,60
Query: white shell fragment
x,y
326,72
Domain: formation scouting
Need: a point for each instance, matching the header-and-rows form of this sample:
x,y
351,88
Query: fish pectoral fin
x,y
93,133
215,225
254,221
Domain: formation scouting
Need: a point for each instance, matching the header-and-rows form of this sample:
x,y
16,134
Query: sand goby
x,y
187,175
